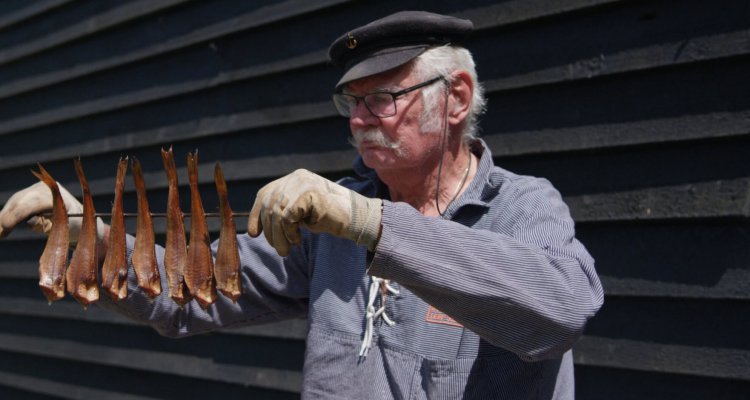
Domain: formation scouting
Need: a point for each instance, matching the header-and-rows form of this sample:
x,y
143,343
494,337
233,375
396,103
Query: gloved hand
x,y
35,200
304,199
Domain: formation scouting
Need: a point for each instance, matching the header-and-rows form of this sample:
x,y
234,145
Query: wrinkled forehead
x,y
389,81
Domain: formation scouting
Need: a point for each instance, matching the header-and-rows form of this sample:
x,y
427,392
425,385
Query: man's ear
x,y
461,92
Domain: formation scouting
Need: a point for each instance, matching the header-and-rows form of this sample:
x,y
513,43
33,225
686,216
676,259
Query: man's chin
x,y
380,158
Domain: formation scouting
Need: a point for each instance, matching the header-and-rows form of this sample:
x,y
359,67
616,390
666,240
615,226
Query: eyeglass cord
x,y
440,165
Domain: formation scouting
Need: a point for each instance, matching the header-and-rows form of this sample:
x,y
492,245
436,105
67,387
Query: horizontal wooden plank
x,y
20,393
595,383
61,389
152,94
81,379
114,17
523,11
620,134
213,126
641,167
513,12
291,329
59,310
153,361
733,284
695,323
32,10
659,55
671,260
19,269
262,16
663,358
700,49
719,199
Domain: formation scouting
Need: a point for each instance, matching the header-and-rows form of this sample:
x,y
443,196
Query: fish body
x,y
81,277
144,253
115,267
175,249
227,264
54,258
199,271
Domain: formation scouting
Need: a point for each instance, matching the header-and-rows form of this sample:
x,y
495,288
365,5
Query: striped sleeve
x,y
518,277
274,288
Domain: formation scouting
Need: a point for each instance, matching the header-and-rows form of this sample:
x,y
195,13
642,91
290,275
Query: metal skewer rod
x,y
160,215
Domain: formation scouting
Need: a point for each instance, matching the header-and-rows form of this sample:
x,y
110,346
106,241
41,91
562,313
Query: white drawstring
x,y
372,313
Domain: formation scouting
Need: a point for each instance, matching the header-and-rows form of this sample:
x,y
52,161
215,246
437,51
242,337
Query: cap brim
x,y
381,61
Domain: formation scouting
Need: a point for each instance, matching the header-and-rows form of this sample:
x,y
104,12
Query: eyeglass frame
x,y
393,95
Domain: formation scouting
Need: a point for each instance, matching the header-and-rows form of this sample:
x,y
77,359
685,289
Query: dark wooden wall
x,y
638,111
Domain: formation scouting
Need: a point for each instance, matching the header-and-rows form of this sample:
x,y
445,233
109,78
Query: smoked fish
x,y
54,258
199,272
175,249
115,267
81,277
227,264
144,253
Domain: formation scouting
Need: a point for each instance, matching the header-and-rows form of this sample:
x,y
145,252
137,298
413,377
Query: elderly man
x,y
433,273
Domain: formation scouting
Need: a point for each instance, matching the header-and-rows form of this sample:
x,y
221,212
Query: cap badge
x,y
351,42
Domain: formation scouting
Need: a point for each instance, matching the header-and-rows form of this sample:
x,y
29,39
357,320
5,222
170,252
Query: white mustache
x,y
373,135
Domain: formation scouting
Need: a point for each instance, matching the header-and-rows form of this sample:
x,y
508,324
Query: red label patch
x,y
435,316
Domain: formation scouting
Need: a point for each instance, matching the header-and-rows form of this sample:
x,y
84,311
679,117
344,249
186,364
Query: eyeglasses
x,y
380,104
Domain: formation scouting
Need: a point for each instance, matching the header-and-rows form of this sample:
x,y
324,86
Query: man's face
x,y
395,142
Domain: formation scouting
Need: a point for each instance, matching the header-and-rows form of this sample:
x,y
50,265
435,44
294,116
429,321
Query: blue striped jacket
x,y
486,304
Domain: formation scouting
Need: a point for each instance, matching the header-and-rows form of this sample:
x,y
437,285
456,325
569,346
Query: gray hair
x,y
442,61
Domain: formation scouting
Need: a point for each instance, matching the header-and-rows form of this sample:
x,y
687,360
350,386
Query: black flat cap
x,y
393,41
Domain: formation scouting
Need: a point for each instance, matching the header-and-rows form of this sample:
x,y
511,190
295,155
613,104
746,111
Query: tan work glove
x,y
35,200
304,199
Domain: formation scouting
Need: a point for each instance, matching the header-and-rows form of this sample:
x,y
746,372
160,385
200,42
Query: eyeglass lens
x,y
379,104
